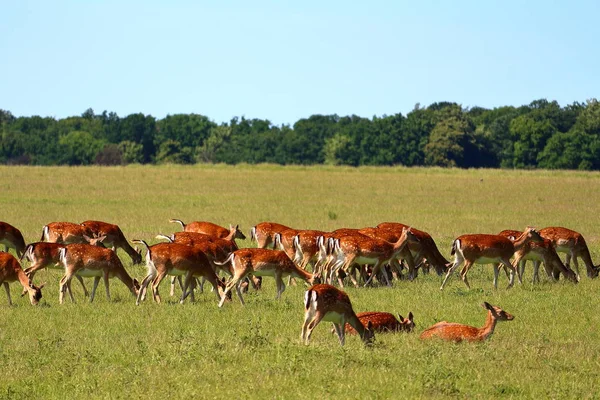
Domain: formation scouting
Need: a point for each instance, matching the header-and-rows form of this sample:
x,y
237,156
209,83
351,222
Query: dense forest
x,y
539,135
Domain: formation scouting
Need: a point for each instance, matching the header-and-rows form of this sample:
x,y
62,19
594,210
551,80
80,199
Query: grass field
x,y
118,350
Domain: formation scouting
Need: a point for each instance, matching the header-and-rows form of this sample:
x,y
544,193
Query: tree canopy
x,y
541,134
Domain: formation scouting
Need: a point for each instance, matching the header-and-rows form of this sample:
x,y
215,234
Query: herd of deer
x,y
203,250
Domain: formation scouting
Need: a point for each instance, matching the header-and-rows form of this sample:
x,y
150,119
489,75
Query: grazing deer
x,y
539,252
487,249
208,228
164,259
263,233
573,244
45,255
284,241
324,302
113,237
382,322
262,262
87,260
12,238
11,271
65,232
377,252
458,332
424,248
392,236
306,248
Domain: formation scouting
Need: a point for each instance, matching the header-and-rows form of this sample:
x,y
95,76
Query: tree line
x,y
539,135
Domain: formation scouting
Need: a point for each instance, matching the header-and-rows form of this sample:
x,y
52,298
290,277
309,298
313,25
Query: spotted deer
x,y
11,271
12,238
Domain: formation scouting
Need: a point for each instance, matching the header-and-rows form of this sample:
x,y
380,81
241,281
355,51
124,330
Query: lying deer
x,y
454,332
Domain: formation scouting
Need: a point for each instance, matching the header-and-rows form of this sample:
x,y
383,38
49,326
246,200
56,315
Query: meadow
x,y
120,350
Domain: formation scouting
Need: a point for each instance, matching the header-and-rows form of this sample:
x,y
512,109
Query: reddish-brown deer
x,y
211,229
382,322
487,249
324,302
573,244
12,238
11,271
113,237
65,232
264,232
164,259
263,262
96,262
455,332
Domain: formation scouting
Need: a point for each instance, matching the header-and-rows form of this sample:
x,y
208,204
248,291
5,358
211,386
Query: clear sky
x,y
283,61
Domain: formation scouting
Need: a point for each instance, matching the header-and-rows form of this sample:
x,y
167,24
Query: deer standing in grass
x,y
377,252
573,244
208,228
264,232
539,252
262,262
424,248
113,237
306,248
174,259
455,332
11,271
45,255
96,262
487,249
65,232
382,322
12,238
324,302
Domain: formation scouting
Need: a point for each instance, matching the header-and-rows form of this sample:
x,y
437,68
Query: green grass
x,y
118,350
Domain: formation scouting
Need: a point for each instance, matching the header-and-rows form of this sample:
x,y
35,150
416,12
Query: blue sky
x,y
283,62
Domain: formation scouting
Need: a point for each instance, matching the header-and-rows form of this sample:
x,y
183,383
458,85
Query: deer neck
x,y
399,245
521,241
23,279
306,276
354,322
487,329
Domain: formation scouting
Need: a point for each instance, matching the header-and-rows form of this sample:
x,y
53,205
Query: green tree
x,y
79,148
131,152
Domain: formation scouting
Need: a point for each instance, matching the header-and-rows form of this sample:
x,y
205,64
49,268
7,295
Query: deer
x,y
382,322
306,248
573,244
164,259
210,229
113,237
323,302
487,249
12,238
327,255
424,248
45,255
11,271
262,262
539,252
65,232
87,260
263,233
455,332
377,252
392,236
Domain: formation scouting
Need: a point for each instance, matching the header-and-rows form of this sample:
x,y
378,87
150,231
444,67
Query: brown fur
x,y
573,244
324,302
263,262
12,238
65,232
11,271
263,233
384,322
455,332
78,258
114,238
211,229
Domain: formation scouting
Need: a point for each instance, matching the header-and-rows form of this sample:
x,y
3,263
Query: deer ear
x,y
487,305
410,316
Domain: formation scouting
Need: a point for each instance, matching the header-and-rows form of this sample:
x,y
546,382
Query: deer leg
x,y
280,285
143,287
496,272
155,283
465,271
313,324
186,286
107,284
308,316
94,287
339,329
457,262
508,265
7,288
230,285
